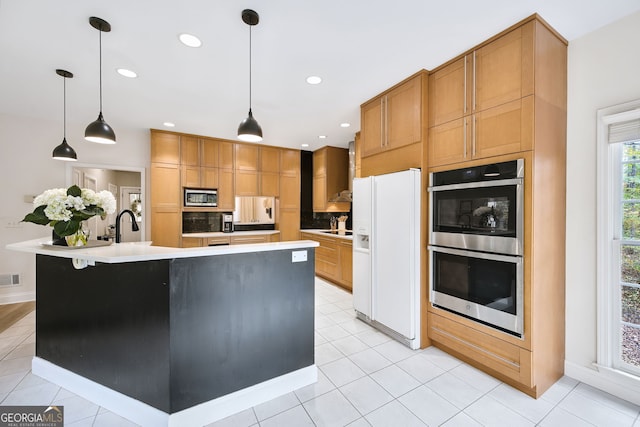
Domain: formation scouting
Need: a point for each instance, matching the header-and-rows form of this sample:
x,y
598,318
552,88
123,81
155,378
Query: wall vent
x,y
8,279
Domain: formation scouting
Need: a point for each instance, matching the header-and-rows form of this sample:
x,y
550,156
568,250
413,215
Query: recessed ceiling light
x,y
322,136
127,73
169,124
345,125
314,80
304,145
190,40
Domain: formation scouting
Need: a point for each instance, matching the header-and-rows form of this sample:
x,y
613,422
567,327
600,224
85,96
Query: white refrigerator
x,y
386,253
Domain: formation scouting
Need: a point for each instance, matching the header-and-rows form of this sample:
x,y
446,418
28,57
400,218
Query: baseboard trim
x,y
619,384
17,297
196,416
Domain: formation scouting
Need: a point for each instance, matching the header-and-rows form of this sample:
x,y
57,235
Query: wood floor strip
x,y
11,313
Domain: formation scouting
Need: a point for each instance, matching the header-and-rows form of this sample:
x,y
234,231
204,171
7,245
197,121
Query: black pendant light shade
x,y
99,131
64,150
249,130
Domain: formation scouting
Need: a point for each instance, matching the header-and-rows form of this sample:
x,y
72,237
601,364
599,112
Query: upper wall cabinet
x,y
392,119
330,176
478,103
165,148
257,170
208,163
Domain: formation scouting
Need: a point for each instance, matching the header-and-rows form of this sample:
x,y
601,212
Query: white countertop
x,y
234,233
143,251
322,233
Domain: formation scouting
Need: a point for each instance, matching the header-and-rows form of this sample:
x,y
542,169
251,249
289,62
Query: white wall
x,y
26,168
603,71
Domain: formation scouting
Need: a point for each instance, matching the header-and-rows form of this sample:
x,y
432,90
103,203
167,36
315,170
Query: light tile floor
x,y
365,379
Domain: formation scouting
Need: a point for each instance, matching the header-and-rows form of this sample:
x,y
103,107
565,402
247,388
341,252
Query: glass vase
x,y
79,238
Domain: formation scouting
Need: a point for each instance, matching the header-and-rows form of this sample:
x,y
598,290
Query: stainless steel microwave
x,y
203,197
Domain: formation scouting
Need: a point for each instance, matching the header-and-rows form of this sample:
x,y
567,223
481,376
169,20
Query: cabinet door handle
x,y
382,120
473,138
386,121
465,86
474,81
464,144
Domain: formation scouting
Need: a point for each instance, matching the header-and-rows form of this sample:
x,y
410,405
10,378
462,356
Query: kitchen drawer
x,y
485,350
215,241
191,242
327,249
240,240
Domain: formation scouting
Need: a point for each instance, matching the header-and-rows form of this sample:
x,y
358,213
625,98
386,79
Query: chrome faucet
x,y
134,224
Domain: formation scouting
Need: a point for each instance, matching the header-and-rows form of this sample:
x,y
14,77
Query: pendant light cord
x,y
64,107
100,43
250,67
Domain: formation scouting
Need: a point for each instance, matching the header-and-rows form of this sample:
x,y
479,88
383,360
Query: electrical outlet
x,y
298,256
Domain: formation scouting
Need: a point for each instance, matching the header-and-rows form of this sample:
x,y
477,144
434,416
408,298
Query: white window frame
x,y
609,176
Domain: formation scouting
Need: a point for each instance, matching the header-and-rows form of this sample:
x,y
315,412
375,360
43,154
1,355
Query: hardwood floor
x,y
11,313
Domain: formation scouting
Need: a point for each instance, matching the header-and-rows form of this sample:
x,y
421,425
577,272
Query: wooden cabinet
x,y
502,101
345,255
243,240
166,212
508,361
208,163
217,241
333,259
288,218
257,170
330,176
289,224
481,104
165,147
449,93
165,198
191,242
504,129
393,119
230,239
190,151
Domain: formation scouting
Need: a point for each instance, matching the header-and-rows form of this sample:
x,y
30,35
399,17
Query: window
x,y
619,238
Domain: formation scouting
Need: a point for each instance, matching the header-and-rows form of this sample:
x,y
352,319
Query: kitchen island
x,y
175,337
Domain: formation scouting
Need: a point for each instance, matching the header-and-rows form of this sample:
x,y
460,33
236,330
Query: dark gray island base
x,y
190,340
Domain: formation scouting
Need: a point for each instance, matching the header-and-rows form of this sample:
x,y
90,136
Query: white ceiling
x,y
359,48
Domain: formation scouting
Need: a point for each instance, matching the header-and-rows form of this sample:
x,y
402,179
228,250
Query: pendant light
x,y
99,131
64,150
249,130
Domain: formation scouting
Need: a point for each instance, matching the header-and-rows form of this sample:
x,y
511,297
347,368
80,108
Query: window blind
x,y
628,131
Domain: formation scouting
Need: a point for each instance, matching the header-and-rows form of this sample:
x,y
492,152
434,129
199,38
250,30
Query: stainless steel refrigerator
x,y
386,253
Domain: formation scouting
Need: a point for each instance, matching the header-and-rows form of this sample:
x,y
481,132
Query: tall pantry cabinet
x,y
504,100
166,200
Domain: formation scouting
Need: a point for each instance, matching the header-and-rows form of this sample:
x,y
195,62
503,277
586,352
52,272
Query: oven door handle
x,y
515,259
477,184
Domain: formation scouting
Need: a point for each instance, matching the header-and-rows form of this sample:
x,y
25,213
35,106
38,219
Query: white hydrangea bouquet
x,y
65,209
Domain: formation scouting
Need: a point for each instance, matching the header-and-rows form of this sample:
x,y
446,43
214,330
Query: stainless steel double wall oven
x,y
476,243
